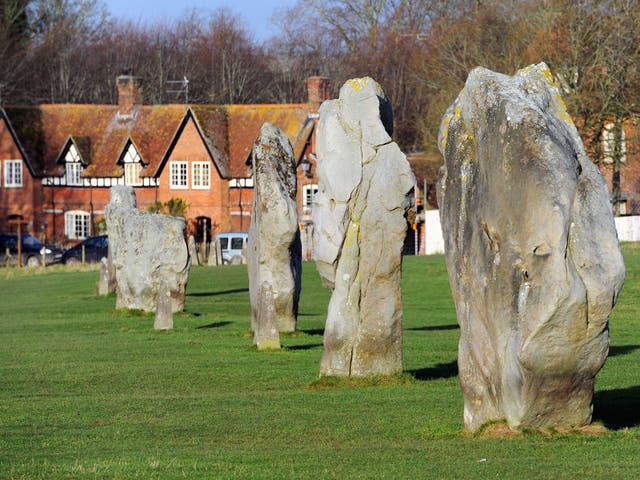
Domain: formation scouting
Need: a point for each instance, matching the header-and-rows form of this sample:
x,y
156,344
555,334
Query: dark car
x,y
94,249
32,250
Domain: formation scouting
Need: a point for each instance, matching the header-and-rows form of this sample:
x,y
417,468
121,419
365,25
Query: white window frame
x,y
608,144
77,224
13,177
132,166
201,175
72,173
132,174
309,192
178,175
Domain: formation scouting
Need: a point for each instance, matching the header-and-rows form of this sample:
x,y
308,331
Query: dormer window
x,y
132,166
73,166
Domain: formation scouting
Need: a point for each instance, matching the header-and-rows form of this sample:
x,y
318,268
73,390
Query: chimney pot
x,y
129,95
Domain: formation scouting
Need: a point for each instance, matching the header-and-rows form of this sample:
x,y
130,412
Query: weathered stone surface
x,y
365,192
164,309
147,249
531,248
106,282
193,250
273,250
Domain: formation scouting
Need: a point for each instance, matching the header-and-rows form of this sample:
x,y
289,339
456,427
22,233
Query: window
x,y
609,144
77,224
309,193
13,173
237,243
73,167
132,174
179,175
132,166
201,175
72,172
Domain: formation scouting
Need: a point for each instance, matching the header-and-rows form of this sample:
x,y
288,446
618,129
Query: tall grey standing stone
x,y
532,252
365,193
273,250
147,249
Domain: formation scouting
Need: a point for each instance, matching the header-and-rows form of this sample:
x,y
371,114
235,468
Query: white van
x,y
231,246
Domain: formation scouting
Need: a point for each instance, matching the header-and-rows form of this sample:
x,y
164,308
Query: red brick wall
x,y
629,172
17,200
212,202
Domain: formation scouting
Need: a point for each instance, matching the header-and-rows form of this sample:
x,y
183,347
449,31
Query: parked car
x,y
94,249
32,250
231,245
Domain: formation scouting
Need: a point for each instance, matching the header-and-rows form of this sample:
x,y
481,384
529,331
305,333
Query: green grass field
x,y
86,392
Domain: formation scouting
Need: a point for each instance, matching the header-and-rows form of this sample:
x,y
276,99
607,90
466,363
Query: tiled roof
x,y
101,135
245,122
4,118
44,131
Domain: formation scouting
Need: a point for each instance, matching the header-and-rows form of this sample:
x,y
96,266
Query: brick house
x,y
19,186
629,201
59,161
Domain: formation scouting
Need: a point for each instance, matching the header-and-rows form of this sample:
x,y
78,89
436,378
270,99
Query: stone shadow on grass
x,y
433,328
441,370
214,325
622,349
215,294
617,409
313,331
310,346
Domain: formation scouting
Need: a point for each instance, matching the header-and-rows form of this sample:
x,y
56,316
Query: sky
x,y
256,13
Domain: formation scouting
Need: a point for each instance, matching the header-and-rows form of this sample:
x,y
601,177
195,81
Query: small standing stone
x,y
193,250
164,313
273,249
105,283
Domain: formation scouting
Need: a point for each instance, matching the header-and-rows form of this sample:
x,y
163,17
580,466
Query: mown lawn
x,y
86,392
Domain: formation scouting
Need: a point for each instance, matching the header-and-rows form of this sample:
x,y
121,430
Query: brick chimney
x,y
319,90
129,96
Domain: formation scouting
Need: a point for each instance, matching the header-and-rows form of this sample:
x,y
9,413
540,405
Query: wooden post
x,y
19,244
18,221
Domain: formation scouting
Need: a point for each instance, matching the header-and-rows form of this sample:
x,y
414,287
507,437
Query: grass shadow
x,y
313,331
310,346
214,325
618,409
215,294
441,370
622,349
434,328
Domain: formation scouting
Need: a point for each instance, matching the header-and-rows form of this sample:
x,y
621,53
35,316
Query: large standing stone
x,y
365,193
147,249
273,249
531,248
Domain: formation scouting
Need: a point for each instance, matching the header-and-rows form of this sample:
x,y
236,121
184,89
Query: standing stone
x,y
365,192
532,252
147,249
106,284
193,250
164,313
273,250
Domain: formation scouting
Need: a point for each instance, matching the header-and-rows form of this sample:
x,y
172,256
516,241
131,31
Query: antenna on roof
x,y
184,88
